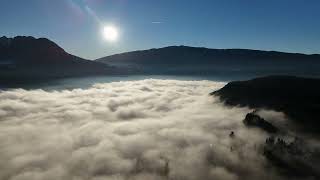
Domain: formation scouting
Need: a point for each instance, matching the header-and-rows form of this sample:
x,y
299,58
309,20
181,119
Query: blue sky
x,y
283,25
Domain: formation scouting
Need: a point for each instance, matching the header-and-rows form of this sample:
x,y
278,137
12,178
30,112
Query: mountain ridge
x,y
297,97
207,48
25,58
197,60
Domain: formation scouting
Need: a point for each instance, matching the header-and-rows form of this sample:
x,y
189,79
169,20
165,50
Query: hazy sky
x,y
284,25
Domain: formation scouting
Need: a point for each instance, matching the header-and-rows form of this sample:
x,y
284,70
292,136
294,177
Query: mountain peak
x,y
23,48
27,40
26,58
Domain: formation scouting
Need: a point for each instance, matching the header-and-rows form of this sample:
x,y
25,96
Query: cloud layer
x,y
148,129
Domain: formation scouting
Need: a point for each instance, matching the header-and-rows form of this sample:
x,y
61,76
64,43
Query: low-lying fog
x,y
138,130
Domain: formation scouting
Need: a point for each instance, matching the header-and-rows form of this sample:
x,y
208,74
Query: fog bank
x,y
137,130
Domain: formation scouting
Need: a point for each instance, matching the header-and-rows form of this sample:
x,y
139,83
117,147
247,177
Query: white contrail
x,y
156,22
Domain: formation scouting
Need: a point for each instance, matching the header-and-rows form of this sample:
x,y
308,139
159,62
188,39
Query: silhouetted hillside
x,y
27,59
297,97
192,60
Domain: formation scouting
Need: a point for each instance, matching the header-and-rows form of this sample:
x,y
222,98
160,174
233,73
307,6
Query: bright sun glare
x,y
110,33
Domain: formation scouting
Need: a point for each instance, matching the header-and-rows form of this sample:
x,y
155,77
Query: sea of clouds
x,y
138,130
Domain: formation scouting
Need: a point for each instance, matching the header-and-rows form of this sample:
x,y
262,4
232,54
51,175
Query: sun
x,y
110,33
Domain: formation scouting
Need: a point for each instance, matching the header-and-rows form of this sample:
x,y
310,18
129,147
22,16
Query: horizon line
x,y
162,47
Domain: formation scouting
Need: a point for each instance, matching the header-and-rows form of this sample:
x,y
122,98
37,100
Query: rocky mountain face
x,y
27,58
26,50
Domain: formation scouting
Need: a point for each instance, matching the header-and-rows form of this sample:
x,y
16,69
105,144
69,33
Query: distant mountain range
x,y
24,59
27,59
203,61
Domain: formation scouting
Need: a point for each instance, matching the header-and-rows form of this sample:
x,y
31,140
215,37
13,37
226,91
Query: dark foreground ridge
x,y
293,158
298,98
28,59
